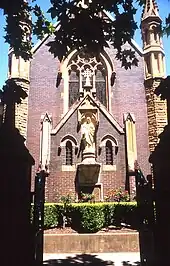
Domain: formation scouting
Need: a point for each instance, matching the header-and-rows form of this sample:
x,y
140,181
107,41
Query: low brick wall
x,y
91,243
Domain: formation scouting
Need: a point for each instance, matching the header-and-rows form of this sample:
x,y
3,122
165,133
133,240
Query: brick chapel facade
x,y
90,129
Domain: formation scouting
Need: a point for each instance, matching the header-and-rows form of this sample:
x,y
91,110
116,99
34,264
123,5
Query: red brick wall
x,y
127,95
43,97
60,183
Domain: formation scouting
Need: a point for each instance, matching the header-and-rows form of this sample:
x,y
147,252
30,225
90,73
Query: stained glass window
x,y
101,87
79,65
73,87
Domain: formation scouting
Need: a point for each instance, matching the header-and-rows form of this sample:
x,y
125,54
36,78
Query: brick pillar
x,y
21,110
18,69
157,112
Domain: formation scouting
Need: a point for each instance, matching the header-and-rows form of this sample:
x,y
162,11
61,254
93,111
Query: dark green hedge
x,y
92,217
87,217
51,216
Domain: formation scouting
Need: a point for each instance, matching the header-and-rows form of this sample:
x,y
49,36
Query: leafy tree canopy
x,y
80,25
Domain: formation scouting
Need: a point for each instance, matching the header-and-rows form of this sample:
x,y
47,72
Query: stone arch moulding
x,y
69,137
108,137
63,141
65,74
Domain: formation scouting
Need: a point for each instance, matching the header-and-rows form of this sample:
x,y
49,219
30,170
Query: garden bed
x,y
91,228
108,230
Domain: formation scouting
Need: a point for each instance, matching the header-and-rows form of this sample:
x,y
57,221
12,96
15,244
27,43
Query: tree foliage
x,y
81,25
167,25
19,25
86,27
12,92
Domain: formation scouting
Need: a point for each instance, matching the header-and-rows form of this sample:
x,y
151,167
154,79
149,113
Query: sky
x,y
164,9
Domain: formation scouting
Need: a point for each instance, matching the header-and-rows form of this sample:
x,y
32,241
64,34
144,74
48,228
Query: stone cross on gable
x,y
87,74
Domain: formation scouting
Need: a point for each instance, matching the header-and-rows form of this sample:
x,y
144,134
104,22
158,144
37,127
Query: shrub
x,y
87,217
67,199
65,219
109,211
86,197
92,217
51,216
117,195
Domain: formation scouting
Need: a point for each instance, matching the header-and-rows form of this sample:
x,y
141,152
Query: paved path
x,y
100,259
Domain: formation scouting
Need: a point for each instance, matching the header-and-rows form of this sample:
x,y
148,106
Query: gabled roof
x,y
46,36
98,104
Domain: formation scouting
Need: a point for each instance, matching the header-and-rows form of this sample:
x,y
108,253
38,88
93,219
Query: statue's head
x,y
88,120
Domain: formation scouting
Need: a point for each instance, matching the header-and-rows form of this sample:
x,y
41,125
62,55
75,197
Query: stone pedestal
x,y
89,157
88,177
88,172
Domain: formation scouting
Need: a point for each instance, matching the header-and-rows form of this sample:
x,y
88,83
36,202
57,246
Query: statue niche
x,y
88,170
88,134
88,119
88,125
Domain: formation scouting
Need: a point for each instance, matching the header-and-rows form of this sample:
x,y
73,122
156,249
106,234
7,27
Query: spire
x,y
152,42
150,10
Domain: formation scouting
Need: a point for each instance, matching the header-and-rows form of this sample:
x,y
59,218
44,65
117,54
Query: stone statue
x,y
88,132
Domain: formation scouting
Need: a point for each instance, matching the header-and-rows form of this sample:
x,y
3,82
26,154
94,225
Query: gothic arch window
x,y
108,150
79,65
109,153
67,150
101,86
69,153
73,86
